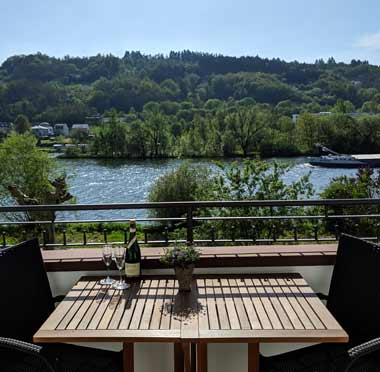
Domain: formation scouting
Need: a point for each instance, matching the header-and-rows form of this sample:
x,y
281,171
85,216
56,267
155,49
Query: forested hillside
x,y
68,89
198,104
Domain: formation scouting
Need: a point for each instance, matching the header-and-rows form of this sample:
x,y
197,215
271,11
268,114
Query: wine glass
x,y
107,259
119,254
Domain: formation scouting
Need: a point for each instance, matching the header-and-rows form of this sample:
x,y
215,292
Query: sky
x,y
302,30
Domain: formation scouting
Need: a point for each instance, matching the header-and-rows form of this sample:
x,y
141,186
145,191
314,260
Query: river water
x,y
124,181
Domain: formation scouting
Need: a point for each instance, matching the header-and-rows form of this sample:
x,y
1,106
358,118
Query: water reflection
x,y
124,181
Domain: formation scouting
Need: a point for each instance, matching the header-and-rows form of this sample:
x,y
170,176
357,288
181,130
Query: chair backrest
x,y
354,297
25,295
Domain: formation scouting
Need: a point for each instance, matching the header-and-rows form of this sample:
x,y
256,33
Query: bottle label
x,y
132,269
132,241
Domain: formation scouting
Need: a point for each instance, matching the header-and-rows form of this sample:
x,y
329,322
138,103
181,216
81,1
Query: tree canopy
x,y
71,88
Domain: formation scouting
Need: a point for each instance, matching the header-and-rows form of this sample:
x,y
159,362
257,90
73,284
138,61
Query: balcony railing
x,y
273,213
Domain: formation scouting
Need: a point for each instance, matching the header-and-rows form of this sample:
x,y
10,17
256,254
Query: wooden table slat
x,y
230,304
120,308
103,306
220,305
158,305
110,310
129,309
281,313
248,308
202,299
287,304
77,303
249,305
240,309
149,305
176,308
64,306
267,303
83,308
211,305
140,305
316,305
167,305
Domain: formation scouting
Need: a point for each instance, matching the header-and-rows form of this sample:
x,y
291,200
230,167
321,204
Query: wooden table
x,y
236,308
254,309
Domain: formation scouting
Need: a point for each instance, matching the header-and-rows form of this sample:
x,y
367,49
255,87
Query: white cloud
x,y
369,41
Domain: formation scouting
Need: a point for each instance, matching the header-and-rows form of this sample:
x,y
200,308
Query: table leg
x,y
201,357
253,357
178,358
128,357
186,356
193,354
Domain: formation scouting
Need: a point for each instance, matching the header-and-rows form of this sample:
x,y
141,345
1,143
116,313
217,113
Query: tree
x,y
343,107
29,176
155,125
22,124
111,141
245,125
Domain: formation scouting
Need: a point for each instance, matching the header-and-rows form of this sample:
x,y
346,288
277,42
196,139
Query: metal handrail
x,y
189,218
191,204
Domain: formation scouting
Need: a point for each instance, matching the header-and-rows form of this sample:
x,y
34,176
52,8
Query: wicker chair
x,y
25,303
354,300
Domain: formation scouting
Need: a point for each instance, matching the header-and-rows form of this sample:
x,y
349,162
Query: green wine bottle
x,y
133,254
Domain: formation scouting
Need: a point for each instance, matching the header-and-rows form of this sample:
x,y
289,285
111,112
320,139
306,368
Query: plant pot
x,y
184,276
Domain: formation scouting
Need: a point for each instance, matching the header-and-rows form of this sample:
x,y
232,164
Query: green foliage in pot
x,y
180,256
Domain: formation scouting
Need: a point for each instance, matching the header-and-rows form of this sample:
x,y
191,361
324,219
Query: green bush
x,y
365,184
186,183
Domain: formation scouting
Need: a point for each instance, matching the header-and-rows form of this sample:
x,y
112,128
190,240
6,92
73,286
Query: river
x,y
123,181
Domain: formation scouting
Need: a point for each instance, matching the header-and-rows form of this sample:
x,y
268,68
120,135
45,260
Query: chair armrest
x,y
10,343
322,296
364,349
26,348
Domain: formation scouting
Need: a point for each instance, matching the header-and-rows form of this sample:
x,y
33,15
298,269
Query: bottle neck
x,y
132,236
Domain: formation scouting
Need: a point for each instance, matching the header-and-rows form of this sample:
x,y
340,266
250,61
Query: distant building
x,y
61,129
295,117
48,127
41,131
84,128
5,127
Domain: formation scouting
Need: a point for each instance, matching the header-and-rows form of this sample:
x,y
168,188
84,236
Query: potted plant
x,y
183,259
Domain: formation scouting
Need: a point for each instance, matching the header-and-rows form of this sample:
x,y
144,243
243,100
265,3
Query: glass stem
x,y
121,276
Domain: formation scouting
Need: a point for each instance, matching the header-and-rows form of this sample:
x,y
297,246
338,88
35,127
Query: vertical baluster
x,y
274,232
254,234
166,229
378,232
84,237
64,236
145,237
233,232
105,235
316,232
44,237
190,232
356,229
337,232
125,235
23,235
295,232
213,234
326,212
3,234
